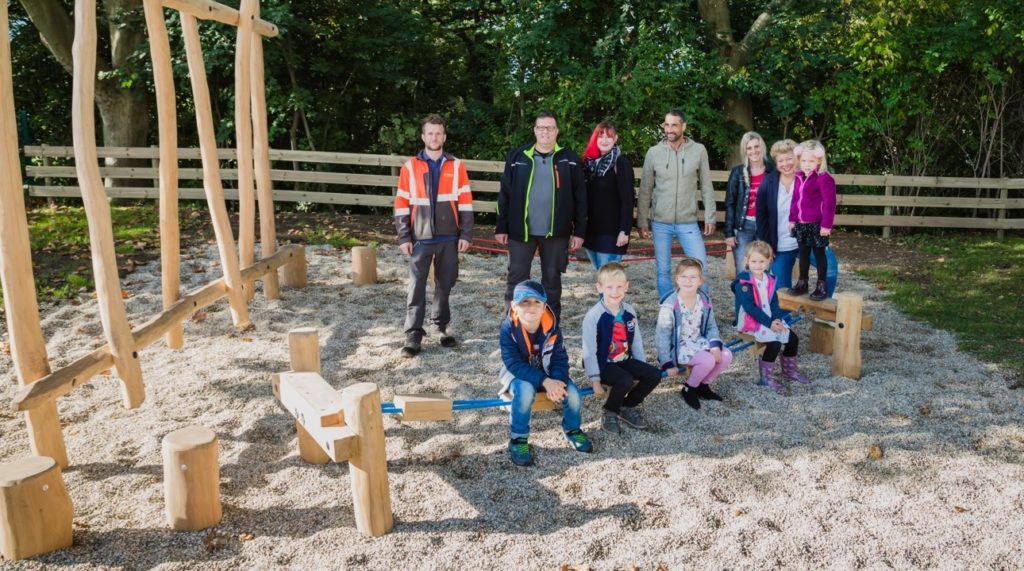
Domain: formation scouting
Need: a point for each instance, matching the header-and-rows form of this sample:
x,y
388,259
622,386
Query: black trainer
x,y
689,395
610,423
412,347
448,340
632,418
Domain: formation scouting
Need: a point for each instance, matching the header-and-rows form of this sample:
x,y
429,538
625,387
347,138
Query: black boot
x,y
820,291
689,395
705,392
799,288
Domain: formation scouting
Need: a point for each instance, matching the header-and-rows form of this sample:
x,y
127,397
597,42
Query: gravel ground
x,y
758,481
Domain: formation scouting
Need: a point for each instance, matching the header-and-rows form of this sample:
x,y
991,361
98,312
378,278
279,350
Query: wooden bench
x,y
836,328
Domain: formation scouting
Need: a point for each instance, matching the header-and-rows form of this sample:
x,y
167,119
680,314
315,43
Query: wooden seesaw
x,y
836,328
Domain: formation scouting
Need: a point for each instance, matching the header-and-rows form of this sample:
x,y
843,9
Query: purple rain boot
x,y
767,378
791,372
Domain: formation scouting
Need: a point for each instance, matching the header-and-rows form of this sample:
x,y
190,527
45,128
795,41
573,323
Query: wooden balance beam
x,y
837,331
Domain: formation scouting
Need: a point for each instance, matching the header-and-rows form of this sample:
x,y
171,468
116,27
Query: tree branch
x,y
57,30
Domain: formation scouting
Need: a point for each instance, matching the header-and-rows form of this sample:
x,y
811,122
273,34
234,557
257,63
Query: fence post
x,y
155,162
886,230
1004,196
47,180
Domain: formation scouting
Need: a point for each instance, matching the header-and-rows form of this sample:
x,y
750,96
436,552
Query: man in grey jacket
x,y
667,203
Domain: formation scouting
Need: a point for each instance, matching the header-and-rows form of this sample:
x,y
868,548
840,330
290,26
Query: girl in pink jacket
x,y
812,213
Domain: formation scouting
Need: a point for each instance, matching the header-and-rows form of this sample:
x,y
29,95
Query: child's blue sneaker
x,y
519,450
579,441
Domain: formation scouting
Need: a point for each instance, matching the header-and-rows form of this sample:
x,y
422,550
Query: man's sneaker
x,y
632,418
610,423
705,392
519,451
689,395
448,340
579,441
411,349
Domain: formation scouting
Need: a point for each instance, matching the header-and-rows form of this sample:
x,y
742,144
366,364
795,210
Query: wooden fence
x,y
871,200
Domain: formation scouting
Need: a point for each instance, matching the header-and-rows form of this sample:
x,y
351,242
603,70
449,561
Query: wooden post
x,y
294,275
1004,196
170,244
886,230
97,208
211,173
371,494
28,347
730,264
822,336
261,158
243,139
48,181
304,354
191,479
364,265
846,344
35,509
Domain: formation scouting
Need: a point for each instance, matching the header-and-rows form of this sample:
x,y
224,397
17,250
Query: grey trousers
x,y
445,257
554,258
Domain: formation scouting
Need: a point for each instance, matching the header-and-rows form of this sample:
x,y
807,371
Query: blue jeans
x,y
692,241
523,394
782,267
744,236
600,258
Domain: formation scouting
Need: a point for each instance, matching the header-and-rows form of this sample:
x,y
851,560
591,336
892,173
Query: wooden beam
x,y
83,369
243,139
424,407
170,243
310,399
371,494
846,359
28,347
209,10
261,160
97,210
211,173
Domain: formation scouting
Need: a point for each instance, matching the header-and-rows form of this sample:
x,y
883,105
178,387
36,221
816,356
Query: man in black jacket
x,y
542,205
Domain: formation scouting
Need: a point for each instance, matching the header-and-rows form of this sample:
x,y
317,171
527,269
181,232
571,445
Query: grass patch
x,y
972,290
332,237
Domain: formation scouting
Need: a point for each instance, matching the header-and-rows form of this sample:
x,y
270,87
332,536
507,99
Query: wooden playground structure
x,y
35,509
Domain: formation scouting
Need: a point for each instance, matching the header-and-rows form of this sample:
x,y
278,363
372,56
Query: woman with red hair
x,y
610,196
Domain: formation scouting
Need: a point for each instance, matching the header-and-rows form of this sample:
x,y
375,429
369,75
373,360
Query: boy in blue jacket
x,y
534,359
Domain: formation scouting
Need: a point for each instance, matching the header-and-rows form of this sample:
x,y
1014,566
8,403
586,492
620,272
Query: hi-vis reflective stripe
x,y
412,179
446,197
401,212
466,208
417,201
455,180
403,194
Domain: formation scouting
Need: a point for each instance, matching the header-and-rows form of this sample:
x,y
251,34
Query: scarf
x,y
601,165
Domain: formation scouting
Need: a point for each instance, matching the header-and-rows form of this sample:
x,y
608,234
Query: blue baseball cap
x,y
529,289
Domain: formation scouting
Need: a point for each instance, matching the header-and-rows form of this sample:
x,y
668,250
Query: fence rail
x,y
1002,198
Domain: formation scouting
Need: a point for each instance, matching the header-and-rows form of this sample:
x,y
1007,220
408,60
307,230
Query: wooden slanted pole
x,y
371,494
261,158
243,139
211,173
170,244
28,348
97,210
81,370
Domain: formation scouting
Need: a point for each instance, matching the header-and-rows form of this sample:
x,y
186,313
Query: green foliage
x,y
973,290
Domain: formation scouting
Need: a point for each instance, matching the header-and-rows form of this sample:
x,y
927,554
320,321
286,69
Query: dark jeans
x,y
445,257
771,350
619,377
554,258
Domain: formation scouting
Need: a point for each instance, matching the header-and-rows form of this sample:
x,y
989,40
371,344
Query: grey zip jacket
x,y
668,186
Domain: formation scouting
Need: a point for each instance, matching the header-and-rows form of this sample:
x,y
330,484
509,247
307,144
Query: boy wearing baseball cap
x,y
534,359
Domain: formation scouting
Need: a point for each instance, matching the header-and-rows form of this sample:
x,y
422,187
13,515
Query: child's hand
x,y
622,240
778,326
826,231
555,389
673,372
791,226
598,388
717,354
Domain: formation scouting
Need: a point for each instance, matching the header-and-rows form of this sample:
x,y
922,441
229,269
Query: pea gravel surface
x,y
916,465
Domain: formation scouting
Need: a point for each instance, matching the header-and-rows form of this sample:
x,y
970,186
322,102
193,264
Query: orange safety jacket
x,y
416,218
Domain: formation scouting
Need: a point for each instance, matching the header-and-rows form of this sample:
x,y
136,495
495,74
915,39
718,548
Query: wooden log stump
x,y
364,265
191,479
822,334
35,509
846,361
371,495
294,275
304,355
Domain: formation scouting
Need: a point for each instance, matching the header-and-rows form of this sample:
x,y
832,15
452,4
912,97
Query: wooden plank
x,y
211,173
929,221
424,407
210,10
116,329
170,243
28,346
311,400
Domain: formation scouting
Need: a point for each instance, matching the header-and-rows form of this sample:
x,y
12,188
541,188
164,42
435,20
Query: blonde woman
x,y
741,194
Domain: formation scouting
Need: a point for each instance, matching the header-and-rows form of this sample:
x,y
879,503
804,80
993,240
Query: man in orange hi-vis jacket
x,y
434,219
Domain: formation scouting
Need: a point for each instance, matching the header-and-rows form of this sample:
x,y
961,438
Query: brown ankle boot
x,y
820,291
799,288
